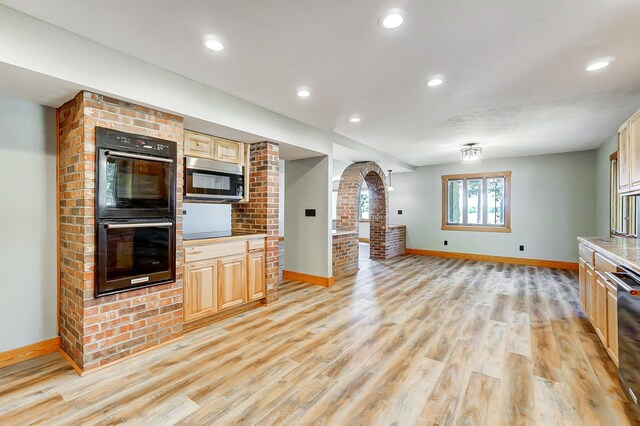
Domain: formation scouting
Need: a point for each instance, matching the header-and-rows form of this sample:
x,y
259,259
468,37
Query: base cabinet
x,y
232,287
612,322
220,276
256,268
589,284
199,290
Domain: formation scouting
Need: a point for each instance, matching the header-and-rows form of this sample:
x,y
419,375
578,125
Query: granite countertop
x,y
623,251
200,237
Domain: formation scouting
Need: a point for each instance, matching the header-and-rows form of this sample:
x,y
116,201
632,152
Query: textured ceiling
x,y
514,71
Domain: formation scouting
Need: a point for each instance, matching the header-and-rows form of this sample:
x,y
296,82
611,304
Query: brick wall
x,y
98,331
260,214
345,253
385,242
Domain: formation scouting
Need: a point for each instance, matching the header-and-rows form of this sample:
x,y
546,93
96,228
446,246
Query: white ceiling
x,y
514,71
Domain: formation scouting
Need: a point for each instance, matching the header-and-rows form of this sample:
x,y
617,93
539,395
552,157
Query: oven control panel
x,y
107,138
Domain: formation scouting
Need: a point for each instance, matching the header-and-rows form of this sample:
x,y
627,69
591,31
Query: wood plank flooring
x,y
412,340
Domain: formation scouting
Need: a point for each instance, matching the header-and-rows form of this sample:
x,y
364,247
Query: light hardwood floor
x,y
413,340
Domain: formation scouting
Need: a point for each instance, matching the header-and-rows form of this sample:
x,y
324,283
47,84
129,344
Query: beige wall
x,y
28,288
553,201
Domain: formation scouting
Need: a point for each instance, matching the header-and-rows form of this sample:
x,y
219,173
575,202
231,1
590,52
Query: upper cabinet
x,y
629,156
205,146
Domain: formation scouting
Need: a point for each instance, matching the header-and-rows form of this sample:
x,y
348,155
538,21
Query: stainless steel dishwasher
x,y
628,284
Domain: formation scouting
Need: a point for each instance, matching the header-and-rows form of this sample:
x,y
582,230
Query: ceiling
x,y
514,75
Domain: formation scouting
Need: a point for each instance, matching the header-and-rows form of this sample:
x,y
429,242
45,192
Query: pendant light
x,y
390,186
471,153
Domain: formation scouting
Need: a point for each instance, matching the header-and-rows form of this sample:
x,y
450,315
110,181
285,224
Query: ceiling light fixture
x,y
391,21
303,93
390,188
435,82
595,66
214,45
354,119
471,153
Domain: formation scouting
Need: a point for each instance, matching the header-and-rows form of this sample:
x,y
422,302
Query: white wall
x,y
603,178
28,289
553,201
307,247
206,217
364,229
281,173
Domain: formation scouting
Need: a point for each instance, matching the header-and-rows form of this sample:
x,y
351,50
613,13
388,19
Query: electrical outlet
x,y
446,242
399,211
310,212
521,248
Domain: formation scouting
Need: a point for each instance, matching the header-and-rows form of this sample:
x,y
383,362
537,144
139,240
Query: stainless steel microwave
x,y
214,181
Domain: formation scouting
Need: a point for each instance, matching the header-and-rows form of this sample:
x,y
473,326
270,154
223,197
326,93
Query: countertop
x,y
208,237
623,251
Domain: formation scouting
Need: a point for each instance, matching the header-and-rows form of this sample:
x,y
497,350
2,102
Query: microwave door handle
x,y
138,225
137,156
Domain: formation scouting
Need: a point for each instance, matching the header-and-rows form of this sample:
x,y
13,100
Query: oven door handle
x,y
138,225
618,281
111,153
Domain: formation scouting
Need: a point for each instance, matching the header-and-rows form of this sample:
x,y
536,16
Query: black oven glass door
x,y
135,185
134,254
211,185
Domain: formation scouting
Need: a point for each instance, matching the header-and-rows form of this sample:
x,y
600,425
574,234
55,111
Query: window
x,y
476,202
623,208
364,204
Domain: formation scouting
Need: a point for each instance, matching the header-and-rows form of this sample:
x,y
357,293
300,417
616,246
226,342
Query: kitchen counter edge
x,y
196,242
612,248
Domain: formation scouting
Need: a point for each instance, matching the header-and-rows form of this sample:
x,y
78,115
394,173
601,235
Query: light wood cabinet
x,y
629,156
198,145
228,151
222,274
600,307
200,298
634,149
582,280
624,156
232,282
256,265
612,322
589,290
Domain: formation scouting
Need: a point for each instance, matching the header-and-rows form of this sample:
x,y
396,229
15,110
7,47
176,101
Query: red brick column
x,y
345,253
260,214
96,332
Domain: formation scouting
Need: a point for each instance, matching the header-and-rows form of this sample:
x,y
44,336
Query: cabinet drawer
x,y
256,244
197,145
586,253
603,264
211,251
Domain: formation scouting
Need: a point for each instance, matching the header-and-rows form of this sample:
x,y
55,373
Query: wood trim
x,y
364,240
25,353
280,238
507,203
573,266
306,278
82,372
58,255
613,156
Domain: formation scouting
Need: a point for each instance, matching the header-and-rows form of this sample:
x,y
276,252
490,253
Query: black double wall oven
x,y
135,211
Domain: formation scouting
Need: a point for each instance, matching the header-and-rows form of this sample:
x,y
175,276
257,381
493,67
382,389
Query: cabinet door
x,y
589,293
228,151
600,314
232,284
256,274
581,282
634,149
199,290
197,145
624,157
612,322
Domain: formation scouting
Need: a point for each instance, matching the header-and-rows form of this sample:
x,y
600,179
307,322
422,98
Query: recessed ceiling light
x,y
303,93
393,20
214,45
354,119
435,82
597,65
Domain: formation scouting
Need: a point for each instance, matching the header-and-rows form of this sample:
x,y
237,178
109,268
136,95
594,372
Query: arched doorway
x,y
345,241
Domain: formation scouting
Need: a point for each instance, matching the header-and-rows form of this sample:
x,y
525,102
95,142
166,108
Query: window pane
x,y
474,201
364,204
454,202
495,201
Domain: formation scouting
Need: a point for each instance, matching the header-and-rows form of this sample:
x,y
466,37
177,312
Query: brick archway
x,y
386,241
